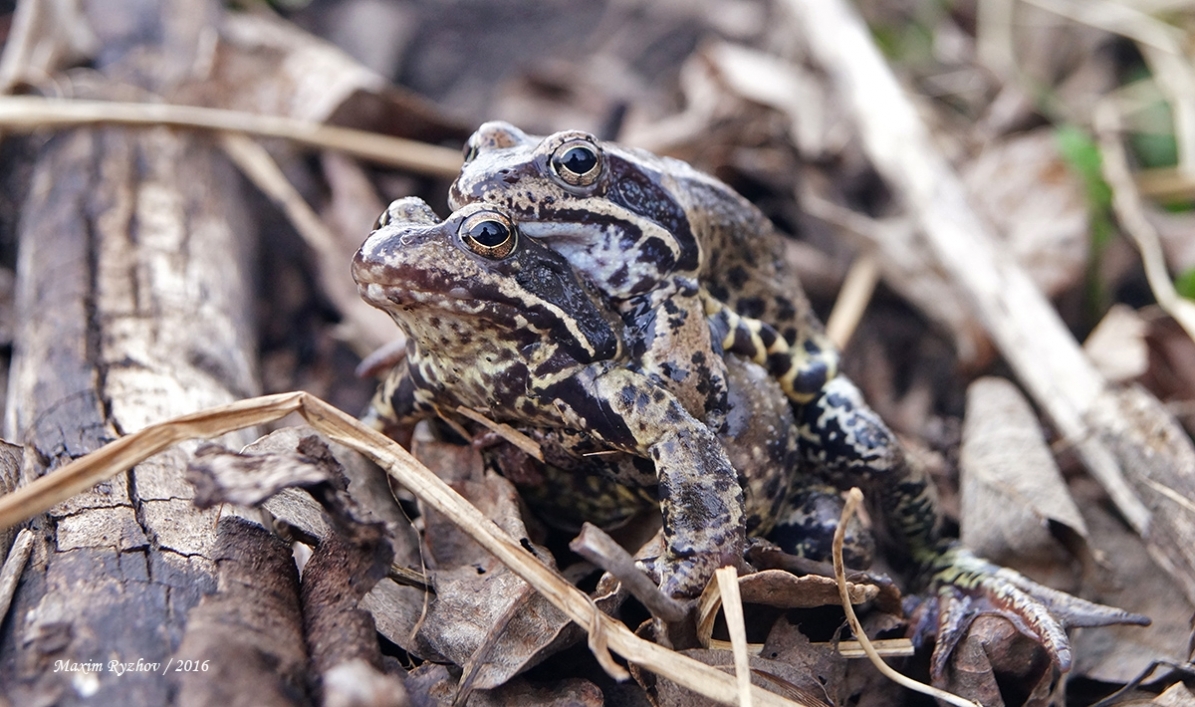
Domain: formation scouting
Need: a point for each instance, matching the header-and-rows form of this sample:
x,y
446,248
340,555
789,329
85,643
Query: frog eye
x,y
489,235
577,162
470,151
382,220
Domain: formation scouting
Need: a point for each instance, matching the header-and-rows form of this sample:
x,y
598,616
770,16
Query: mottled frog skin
x,y
649,232
501,324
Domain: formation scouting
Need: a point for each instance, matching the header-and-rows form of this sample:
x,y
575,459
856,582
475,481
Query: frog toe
x,y
968,587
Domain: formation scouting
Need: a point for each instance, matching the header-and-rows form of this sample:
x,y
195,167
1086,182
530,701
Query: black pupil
x,y
579,160
489,233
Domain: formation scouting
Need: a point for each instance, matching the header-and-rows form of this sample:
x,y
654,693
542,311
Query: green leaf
x,y
1185,284
1082,153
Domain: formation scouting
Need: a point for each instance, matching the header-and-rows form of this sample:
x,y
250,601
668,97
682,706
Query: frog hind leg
x,y
801,366
967,586
845,440
806,527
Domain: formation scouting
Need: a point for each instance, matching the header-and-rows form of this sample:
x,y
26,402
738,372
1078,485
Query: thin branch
x,y
853,499
28,113
1126,201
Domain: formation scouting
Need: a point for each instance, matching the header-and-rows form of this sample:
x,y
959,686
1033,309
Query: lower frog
x,y
634,224
501,325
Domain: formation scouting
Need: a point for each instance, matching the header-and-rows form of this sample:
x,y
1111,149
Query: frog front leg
x,y
701,499
670,339
398,403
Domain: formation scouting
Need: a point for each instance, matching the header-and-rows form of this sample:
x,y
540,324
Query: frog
x,y
634,225
500,324
643,228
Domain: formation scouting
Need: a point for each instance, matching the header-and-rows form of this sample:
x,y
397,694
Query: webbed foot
x,y
966,587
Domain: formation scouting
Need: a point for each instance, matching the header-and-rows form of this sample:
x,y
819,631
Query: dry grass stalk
x,y
853,500
887,647
27,113
1126,201
732,609
856,292
339,427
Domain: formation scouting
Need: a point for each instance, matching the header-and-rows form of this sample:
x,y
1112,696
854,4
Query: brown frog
x,y
641,229
501,324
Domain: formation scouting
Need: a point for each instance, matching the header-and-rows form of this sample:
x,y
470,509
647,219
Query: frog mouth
x,y
406,301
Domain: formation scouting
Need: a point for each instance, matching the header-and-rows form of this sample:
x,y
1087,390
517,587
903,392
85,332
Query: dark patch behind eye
x,y
547,275
634,190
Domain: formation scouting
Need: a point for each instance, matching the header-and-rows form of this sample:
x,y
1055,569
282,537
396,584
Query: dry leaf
x,y
1117,345
1037,204
994,653
1127,577
1177,695
1012,491
482,612
775,676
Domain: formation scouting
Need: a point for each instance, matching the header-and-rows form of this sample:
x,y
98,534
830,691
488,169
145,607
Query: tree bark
x,y
134,303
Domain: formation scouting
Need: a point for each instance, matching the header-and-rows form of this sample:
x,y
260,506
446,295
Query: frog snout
x,y
389,248
498,135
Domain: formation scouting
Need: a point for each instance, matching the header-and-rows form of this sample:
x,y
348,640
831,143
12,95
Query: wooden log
x,y
134,303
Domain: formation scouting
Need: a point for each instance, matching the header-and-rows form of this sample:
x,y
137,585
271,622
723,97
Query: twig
x,y
853,499
365,328
600,549
732,609
105,462
856,292
506,432
14,565
29,113
1126,201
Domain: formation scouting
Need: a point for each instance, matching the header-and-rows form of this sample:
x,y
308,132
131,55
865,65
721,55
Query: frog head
x,y
612,212
473,280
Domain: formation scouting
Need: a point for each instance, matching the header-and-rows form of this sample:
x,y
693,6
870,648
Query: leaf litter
x,y
738,130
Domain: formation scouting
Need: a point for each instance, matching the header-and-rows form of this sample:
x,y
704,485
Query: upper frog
x,y
629,220
499,323
644,230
